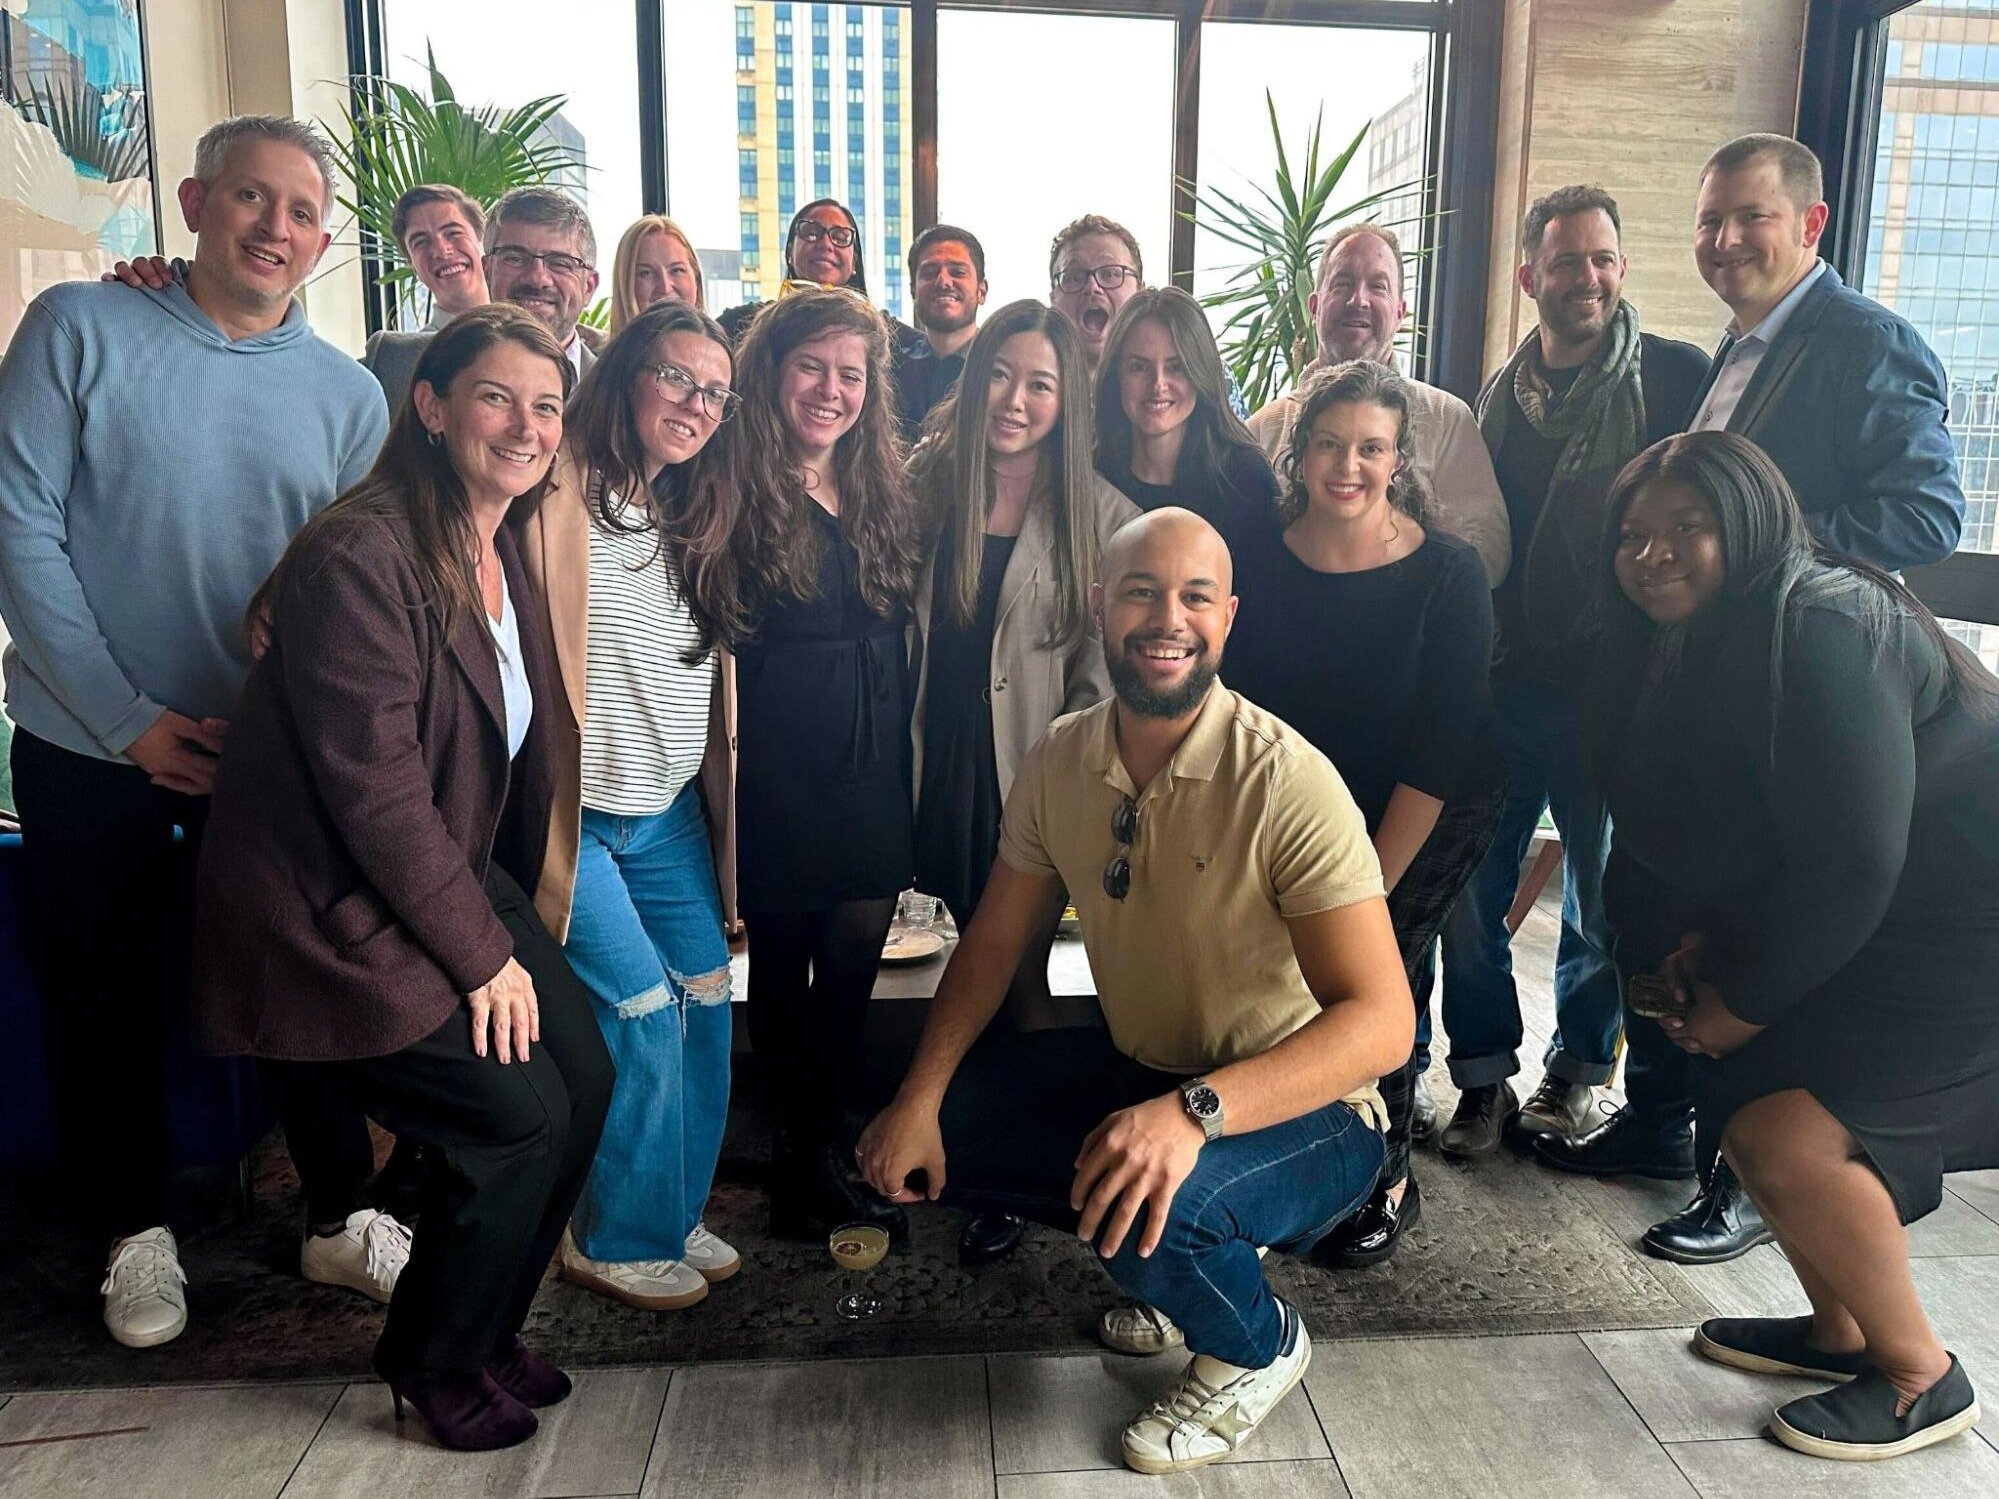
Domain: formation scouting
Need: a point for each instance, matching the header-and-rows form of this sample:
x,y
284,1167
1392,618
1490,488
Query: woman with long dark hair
x,y
1368,629
362,921
630,550
1803,777
1166,433
822,250
826,549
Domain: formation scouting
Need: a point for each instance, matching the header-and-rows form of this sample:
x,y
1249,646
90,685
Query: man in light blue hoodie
x,y
158,449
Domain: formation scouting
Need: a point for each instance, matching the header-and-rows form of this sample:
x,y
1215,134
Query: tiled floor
x,y
1589,1415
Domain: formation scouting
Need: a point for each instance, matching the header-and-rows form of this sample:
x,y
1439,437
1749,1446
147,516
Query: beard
x,y
953,317
1152,702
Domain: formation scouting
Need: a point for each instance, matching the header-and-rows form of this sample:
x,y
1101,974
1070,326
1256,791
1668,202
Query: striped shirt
x,y
645,721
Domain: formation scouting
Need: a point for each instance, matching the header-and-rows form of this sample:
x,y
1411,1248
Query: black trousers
x,y
512,1146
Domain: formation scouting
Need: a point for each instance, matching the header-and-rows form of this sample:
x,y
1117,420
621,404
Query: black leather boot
x,y
1626,1144
814,1189
1720,1224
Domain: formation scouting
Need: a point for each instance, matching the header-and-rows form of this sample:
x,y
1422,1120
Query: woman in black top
x,y
827,552
822,248
1370,633
1166,434
1803,777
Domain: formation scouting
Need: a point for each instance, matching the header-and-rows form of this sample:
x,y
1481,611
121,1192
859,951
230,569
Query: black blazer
x,y
1850,403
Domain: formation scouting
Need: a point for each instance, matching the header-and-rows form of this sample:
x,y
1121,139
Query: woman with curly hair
x,y
1369,630
827,553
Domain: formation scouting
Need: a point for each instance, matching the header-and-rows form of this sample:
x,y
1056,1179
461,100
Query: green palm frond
x,y
1266,330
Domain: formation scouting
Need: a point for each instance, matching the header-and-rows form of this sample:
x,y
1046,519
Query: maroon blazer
x,y
341,903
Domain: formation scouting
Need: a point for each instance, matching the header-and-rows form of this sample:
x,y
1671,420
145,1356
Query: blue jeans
x,y
1541,728
1016,1115
646,939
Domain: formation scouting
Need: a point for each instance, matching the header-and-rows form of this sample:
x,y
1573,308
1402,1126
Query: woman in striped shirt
x,y
630,550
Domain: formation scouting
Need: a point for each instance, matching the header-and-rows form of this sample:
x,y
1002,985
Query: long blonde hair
x,y
624,301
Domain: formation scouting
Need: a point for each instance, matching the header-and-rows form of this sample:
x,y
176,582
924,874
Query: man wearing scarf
x,y
1584,393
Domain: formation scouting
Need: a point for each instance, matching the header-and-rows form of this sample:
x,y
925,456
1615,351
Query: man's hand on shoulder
x,y
1135,1159
147,273
902,1138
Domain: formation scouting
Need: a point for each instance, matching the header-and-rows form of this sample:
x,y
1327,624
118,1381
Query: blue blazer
x,y
1850,403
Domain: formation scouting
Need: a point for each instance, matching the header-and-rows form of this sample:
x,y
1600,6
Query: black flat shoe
x,y
1370,1235
1773,1345
988,1238
1856,1423
1720,1224
1625,1144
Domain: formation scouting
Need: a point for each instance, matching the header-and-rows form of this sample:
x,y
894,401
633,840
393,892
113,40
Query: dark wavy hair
x,y
1774,567
1358,382
776,544
952,474
1212,430
859,280
694,521
413,479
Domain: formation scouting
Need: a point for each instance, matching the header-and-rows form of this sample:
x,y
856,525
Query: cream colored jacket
x,y
1030,685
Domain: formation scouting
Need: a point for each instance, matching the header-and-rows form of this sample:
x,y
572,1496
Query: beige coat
x,y
1031,685
555,546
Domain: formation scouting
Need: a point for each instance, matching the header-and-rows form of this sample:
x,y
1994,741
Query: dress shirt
x,y
1739,364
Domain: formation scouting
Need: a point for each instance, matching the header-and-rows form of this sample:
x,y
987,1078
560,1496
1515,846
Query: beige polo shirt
x,y
1248,824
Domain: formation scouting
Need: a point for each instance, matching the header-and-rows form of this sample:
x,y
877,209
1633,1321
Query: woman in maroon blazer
x,y
383,802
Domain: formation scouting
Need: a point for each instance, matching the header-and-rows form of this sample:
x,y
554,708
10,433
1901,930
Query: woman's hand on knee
x,y
506,1006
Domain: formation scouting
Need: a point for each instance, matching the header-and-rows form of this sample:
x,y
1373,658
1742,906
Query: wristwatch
x,y
1203,1105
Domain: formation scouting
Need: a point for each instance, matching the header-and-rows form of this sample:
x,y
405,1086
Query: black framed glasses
x,y
839,236
1124,828
1109,277
677,385
516,259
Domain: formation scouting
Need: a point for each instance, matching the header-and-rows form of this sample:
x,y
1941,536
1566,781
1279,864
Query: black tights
x,y
811,974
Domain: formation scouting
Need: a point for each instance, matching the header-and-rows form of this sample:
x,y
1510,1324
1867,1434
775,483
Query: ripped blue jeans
x,y
646,938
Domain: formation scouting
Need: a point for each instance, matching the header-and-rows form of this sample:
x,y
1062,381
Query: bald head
x,y
1165,606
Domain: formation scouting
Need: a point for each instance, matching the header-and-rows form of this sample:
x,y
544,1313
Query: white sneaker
x,y
1134,1327
654,1285
713,1258
1214,1409
366,1256
144,1304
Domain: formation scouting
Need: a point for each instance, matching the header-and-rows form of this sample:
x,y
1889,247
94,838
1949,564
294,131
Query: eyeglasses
x,y
1109,277
1124,828
516,259
839,236
677,385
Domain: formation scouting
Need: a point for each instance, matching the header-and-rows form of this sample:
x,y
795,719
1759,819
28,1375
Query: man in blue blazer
x,y
1843,394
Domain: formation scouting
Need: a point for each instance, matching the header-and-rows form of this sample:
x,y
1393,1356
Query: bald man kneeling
x,y
1251,988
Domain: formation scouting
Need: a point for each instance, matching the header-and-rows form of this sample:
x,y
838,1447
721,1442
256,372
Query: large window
x,y
1041,119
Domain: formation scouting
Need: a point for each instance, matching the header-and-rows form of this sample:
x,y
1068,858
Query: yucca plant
x,y
1267,337
397,138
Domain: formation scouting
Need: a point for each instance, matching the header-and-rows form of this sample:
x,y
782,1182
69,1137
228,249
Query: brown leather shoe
x,y
1482,1116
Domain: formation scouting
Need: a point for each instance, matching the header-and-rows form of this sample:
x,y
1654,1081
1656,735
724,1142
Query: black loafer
x,y
1625,1144
987,1238
1856,1423
1773,1345
1720,1224
1371,1234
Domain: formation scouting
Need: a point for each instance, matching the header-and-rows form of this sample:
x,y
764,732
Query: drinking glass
x,y
917,912
858,1247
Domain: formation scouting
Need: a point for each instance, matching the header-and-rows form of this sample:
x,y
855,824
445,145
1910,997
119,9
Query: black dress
x,y
1846,876
958,809
822,770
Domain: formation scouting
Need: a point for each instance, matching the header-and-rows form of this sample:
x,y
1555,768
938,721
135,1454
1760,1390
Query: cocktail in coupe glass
x,y
858,1247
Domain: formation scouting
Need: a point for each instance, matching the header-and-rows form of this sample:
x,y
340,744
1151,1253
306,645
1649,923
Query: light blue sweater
x,y
151,473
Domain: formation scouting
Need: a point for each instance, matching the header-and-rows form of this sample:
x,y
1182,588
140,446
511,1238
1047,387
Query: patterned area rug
x,y
1502,1247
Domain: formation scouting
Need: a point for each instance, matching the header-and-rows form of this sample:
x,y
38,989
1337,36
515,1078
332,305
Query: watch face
x,y
1203,1102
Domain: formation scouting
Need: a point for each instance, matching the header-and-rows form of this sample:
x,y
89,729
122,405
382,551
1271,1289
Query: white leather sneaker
x,y
1215,1407
653,1285
1134,1327
366,1256
713,1258
144,1304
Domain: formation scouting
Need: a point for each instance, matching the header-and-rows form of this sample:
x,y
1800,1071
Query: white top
x,y
514,687
645,718
1746,353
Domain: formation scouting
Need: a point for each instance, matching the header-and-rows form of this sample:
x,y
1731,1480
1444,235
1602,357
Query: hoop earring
x,y
436,438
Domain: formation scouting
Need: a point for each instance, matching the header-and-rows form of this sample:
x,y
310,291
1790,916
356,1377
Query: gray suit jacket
x,y
391,358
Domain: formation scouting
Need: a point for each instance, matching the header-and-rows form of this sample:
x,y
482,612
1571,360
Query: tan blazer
x,y
1031,685
555,548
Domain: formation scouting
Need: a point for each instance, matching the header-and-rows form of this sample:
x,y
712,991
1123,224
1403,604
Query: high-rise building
x,y
1932,251
1397,151
821,113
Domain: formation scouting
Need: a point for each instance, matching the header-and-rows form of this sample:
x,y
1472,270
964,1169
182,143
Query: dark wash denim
x,y
1014,1121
